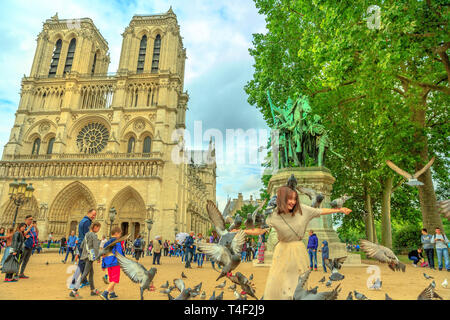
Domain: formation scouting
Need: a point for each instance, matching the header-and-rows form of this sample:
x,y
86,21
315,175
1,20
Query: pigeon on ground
x,y
239,296
382,254
429,294
251,277
360,296
183,276
444,208
213,297
412,179
246,285
314,196
322,280
222,285
328,284
198,287
233,287
386,297
444,283
350,296
165,291
185,293
377,284
339,202
136,272
301,294
203,295
220,296
313,290
165,285
427,276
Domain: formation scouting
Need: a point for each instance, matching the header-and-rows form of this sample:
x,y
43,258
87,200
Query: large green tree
x,y
383,91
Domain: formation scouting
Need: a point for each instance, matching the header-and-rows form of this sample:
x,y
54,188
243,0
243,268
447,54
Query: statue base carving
x,y
321,180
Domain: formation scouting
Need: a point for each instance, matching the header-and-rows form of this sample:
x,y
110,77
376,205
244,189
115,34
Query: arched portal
x,y
131,211
69,207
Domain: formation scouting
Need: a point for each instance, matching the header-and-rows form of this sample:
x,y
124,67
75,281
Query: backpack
x,y
137,243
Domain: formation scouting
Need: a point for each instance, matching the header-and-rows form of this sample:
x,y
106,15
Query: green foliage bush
x,y
406,238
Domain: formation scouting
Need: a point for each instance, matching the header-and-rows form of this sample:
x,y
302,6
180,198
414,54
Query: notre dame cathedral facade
x,y
86,138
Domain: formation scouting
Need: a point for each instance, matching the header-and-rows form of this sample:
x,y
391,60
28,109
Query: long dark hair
x,y
283,195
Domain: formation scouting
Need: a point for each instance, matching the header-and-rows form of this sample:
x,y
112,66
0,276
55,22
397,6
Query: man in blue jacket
x,y
83,228
189,245
71,244
30,243
313,243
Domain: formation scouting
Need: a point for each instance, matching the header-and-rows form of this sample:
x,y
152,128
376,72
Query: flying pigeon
x,y
360,296
444,283
246,285
444,208
412,179
382,254
335,265
226,257
429,294
255,219
315,197
136,272
234,223
427,276
106,250
339,202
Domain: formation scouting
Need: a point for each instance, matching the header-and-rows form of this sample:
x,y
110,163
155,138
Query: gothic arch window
x,y
131,143
147,144
36,146
55,59
156,52
93,65
50,146
70,55
142,51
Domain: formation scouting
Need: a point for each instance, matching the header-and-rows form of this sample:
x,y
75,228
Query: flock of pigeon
x,y
227,255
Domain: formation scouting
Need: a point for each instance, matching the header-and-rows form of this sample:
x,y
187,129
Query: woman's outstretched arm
x,y
325,211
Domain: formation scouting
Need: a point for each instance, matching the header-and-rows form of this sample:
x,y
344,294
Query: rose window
x,y
92,138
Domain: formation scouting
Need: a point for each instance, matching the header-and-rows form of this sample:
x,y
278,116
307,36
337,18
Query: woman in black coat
x,y
11,265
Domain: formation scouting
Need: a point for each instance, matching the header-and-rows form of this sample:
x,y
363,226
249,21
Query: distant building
x,y
236,204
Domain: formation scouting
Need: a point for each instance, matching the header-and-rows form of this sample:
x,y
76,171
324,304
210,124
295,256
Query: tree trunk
x,y
386,232
375,238
368,216
427,197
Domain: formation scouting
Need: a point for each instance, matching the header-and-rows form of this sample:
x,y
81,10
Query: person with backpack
x,y
441,242
138,247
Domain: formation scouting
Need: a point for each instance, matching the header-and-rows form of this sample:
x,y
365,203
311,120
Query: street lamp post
x,y
20,193
149,223
112,217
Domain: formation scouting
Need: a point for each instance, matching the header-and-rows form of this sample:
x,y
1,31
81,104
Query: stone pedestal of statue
x,y
320,180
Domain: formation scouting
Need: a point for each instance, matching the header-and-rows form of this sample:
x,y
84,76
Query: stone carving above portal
x,y
44,127
43,210
139,125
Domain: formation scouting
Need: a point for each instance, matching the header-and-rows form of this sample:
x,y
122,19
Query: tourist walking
x,y
110,263
50,239
325,254
313,243
30,242
71,244
12,261
428,247
157,246
189,247
90,250
83,229
138,247
166,248
441,242
200,255
62,246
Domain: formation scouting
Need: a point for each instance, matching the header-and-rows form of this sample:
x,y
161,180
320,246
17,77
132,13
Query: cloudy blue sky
x,y
217,35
